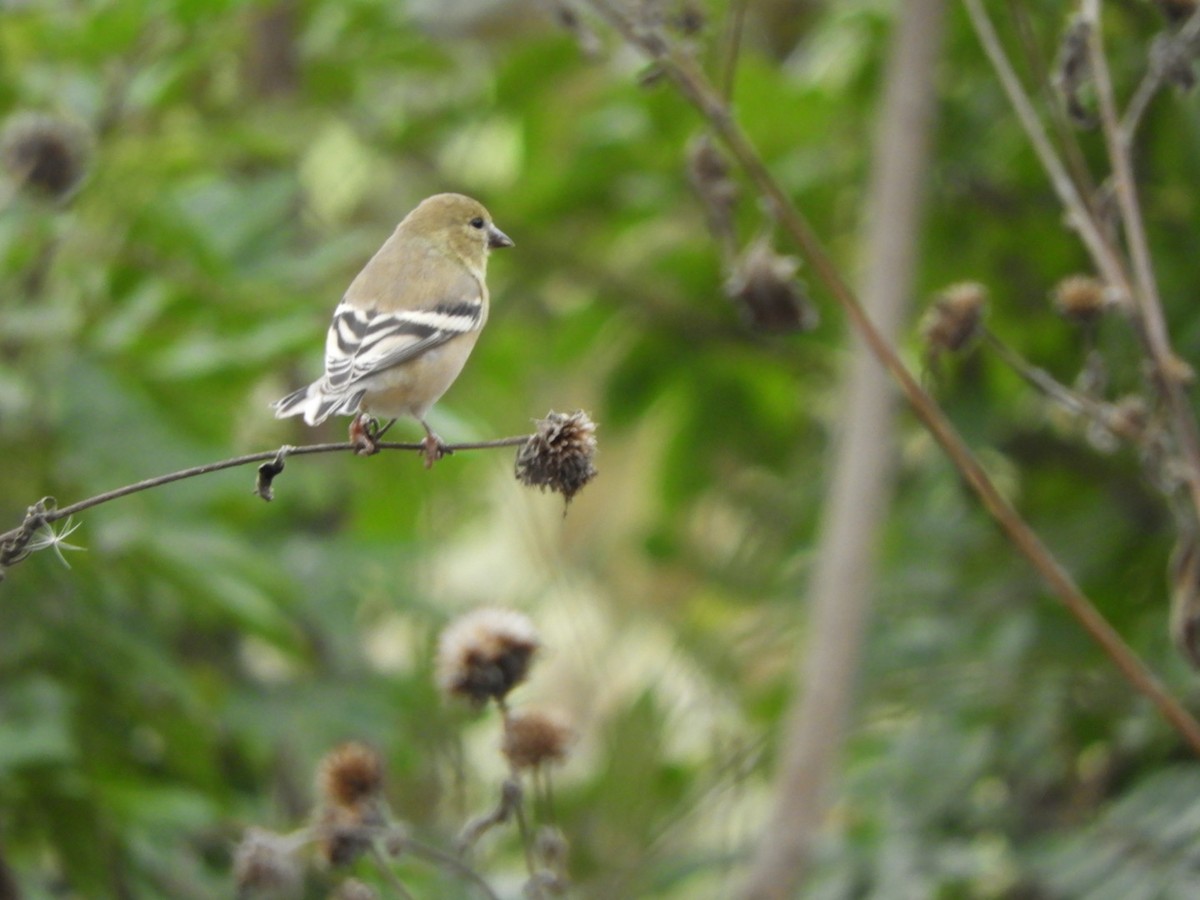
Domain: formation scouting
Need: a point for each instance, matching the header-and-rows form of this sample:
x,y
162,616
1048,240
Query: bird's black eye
x,y
477,222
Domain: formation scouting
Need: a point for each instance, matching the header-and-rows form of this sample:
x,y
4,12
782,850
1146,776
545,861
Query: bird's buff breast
x,y
411,388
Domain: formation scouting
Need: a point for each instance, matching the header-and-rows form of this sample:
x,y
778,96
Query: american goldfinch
x,y
406,324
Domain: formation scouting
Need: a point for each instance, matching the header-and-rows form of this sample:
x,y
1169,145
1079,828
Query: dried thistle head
x,y
1073,71
560,454
533,739
345,833
350,776
265,862
45,155
764,287
1081,298
955,319
485,654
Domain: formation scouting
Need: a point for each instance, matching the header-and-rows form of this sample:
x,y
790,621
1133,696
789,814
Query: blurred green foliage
x,y
180,681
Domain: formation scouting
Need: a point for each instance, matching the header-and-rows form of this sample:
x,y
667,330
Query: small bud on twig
x,y
1080,298
267,472
955,319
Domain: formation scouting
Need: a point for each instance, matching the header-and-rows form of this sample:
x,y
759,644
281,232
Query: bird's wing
x,y
364,342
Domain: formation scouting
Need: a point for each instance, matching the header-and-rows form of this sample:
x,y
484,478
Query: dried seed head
x,y
769,297
955,319
533,739
1080,298
46,155
1073,72
266,862
350,776
344,834
485,654
560,454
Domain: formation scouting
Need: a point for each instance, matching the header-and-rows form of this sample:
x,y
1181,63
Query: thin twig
x,y
1042,380
43,515
1075,163
451,862
695,87
390,876
1167,365
1154,79
1105,257
737,21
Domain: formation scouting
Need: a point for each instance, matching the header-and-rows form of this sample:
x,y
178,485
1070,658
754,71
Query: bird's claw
x,y
364,434
434,449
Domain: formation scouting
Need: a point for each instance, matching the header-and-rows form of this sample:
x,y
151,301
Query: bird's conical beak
x,y
497,238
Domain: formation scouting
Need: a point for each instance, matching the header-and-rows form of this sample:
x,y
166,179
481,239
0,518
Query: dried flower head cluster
x,y
485,654
350,787
560,454
1080,298
955,319
533,739
265,862
45,155
768,295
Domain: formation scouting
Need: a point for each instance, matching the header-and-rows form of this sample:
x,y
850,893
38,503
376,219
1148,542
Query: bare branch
x,y
14,542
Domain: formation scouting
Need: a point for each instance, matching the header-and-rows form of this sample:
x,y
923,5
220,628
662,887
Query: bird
x,y
406,325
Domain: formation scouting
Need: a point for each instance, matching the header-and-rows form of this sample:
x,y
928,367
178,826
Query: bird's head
x,y
461,224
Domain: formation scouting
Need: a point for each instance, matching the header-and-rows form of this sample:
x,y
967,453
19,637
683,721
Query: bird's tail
x,y
316,405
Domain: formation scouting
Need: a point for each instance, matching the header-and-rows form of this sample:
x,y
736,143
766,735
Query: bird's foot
x,y
434,449
365,434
